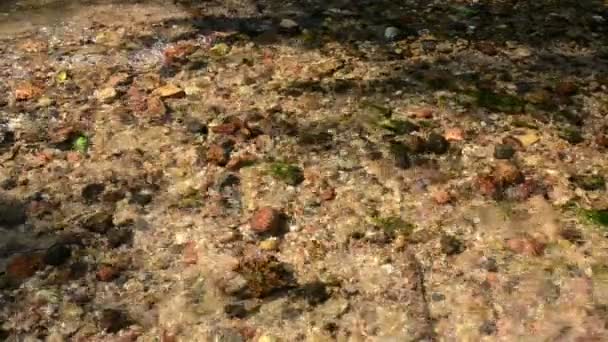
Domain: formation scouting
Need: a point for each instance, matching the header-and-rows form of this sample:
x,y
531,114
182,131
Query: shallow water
x,y
22,16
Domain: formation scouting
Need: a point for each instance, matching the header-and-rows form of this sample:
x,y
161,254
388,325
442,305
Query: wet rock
x,y
23,266
196,127
589,182
106,95
155,107
12,212
57,254
392,33
442,197
454,134
527,246
328,194
288,173
445,47
524,139
235,310
270,245
490,265
219,154
437,144
119,236
566,88
169,91
289,26
450,245
507,173
91,192
264,274
314,293
521,191
220,49
107,273
113,321
504,151
142,196
414,143
266,220
487,48
99,222
190,253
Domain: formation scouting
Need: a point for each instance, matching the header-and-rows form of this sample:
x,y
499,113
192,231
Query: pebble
x,y
106,95
119,236
57,255
91,192
12,212
450,245
437,144
266,220
391,33
507,173
288,24
268,338
526,246
99,222
504,151
271,244
113,321
23,266
218,154
169,91
106,273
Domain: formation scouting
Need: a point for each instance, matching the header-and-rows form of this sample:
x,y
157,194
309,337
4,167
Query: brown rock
x,y
265,220
218,154
602,140
442,197
136,100
328,194
506,173
528,246
155,107
190,253
169,91
423,113
566,88
238,162
23,266
107,273
231,127
487,185
26,91
177,52
454,134
487,48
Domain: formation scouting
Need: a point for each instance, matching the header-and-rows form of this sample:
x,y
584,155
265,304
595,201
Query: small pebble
x,y
437,144
391,33
504,151
265,220
57,255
